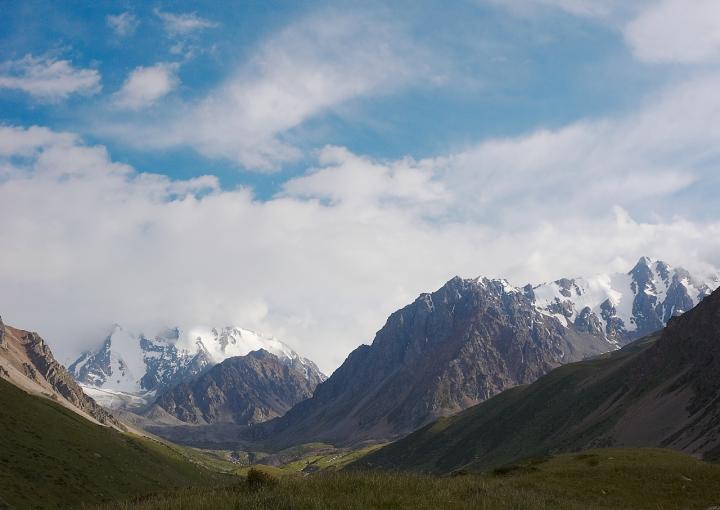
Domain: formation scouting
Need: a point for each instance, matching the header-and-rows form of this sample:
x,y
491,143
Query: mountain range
x,y
130,370
477,375
474,338
623,306
661,391
445,352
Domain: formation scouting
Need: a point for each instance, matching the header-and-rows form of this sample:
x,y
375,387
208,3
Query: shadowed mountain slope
x,y
660,391
240,390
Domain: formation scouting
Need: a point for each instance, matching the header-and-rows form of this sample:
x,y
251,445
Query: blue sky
x,y
306,168
489,74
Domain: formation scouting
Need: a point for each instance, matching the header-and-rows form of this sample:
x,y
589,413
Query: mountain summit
x,y
623,306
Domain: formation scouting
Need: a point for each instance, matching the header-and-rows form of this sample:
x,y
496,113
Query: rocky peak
x,y
628,306
2,332
642,275
242,390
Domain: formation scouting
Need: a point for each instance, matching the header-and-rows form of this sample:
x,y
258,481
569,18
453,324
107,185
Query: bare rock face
x,y
242,390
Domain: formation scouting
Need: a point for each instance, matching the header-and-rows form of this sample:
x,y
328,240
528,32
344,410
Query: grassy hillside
x,y
51,457
597,479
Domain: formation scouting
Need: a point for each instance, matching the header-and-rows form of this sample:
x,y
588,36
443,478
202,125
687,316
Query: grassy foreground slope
x,y
51,457
597,479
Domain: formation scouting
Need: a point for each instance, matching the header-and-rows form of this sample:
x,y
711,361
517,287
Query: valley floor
x,y
597,479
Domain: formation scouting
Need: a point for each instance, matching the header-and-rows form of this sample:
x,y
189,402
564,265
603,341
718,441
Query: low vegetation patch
x,y
257,478
618,479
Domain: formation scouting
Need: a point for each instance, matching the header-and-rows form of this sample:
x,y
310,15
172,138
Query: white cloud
x,y
657,30
676,31
145,85
355,182
308,69
183,24
123,24
667,147
48,79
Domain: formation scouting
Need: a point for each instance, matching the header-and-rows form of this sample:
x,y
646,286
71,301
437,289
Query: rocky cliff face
x,y
241,390
27,362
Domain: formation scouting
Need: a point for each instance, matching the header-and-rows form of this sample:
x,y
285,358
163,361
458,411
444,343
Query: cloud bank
x,y
325,261
676,31
89,241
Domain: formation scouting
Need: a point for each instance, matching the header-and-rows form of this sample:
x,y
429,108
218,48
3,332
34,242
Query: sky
x,y
303,169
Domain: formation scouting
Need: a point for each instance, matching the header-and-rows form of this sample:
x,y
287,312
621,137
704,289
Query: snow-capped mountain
x,y
129,369
623,306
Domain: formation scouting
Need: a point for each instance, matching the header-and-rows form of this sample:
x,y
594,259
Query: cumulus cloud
x,y
123,24
184,23
145,85
48,79
676,31
308,69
